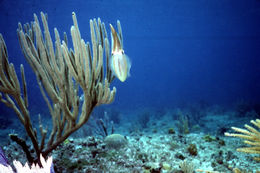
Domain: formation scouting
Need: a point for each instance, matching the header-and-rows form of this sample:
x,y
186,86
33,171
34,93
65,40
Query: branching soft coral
x,y
62,73
251,136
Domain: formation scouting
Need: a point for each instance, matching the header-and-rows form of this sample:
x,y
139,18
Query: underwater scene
x,y
140,86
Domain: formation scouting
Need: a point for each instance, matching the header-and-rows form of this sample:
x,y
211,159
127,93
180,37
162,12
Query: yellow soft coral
x,y
251,136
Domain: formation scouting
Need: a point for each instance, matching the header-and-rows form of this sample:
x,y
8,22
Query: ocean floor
x,y
161,145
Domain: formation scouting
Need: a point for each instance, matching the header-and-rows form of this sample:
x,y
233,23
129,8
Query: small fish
x,y
119,63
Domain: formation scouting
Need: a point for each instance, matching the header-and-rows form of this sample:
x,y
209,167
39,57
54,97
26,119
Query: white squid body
x,y
119,62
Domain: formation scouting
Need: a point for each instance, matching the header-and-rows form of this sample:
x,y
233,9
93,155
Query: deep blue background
x,y
181,50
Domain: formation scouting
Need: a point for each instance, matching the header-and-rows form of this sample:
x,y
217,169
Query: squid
x,y
120,64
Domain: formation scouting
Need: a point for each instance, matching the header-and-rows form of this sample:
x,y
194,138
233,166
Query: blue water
x,y
181,50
